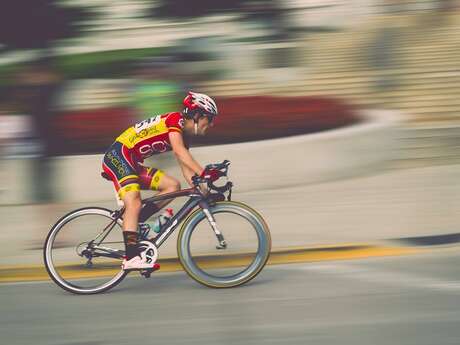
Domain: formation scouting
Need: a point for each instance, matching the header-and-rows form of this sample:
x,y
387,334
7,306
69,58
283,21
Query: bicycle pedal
x,y
147,272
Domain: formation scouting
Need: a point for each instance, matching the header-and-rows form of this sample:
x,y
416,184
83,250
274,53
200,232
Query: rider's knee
x,y
176,185
132,201
173,186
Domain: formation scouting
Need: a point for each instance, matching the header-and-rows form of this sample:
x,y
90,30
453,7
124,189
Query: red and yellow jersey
x,y
151,136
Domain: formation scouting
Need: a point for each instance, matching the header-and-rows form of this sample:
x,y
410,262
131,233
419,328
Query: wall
x,y
297,160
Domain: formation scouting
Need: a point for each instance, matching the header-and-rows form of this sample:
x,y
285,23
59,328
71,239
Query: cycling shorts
x,y
127,173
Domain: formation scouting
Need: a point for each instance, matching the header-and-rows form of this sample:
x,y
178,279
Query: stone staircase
x,y
424,80
427,146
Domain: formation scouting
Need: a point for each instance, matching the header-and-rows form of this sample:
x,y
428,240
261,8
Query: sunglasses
x,y
210,118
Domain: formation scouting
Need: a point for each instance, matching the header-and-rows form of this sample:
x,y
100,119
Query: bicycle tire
x,y
48,252
198,274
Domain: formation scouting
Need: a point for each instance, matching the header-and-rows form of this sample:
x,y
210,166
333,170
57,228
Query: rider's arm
x,y
187,174
188,164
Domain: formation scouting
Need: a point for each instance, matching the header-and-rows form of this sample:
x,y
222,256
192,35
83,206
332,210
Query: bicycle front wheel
x,y
247,251
84,251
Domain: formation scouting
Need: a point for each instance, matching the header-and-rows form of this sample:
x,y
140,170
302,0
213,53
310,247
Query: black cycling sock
x,y
130,238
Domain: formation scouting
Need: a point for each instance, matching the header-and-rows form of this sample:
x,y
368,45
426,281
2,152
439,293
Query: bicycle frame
x,y
196,198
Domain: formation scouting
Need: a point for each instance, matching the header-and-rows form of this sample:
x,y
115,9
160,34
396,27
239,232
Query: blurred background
x,y
341,88
341,119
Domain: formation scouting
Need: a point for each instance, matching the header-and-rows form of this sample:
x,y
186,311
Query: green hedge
x,y
106,64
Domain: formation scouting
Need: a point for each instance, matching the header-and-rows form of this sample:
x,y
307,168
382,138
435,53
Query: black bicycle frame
x,y
149,209
196,199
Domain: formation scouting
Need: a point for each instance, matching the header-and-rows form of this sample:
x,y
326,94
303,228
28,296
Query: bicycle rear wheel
x,y
84,250
248,245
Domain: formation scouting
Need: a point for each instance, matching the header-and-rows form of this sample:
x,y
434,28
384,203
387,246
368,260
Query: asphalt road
x,y
402,300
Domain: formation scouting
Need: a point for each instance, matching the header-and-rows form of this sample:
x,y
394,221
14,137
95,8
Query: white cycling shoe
x,y
145,260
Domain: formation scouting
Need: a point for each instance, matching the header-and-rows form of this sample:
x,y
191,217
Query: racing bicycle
x,y
221,243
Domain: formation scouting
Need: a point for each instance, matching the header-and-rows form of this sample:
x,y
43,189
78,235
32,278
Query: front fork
x,y
222,244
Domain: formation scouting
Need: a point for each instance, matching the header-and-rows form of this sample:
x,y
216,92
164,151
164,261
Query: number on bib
x,y
147,123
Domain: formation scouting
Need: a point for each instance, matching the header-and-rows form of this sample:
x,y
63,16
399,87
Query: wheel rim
x,y
71,235
203,272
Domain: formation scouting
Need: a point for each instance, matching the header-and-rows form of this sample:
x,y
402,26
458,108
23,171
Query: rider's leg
x,y
132,202
168,184
155,179
120,166
133,206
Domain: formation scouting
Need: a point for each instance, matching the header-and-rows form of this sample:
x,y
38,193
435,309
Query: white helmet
x,y
199,102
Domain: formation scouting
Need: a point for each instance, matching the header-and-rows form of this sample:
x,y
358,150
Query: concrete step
x,y
401,90
364,73
433,152
436,119
365,57
439,143
422,132
445,43
404,51
441,77
428,104
342,92
365,68
401,48
446,145
413,163
431,86
411,95
441,97
430,109
432,119
404,80
430,51
361,87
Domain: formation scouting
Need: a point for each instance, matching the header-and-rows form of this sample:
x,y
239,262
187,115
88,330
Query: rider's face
x,y
203,124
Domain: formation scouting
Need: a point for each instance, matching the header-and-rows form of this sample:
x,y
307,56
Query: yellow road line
x,y
281,256
328,254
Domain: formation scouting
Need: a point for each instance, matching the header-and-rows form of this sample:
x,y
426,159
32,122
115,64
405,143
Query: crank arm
x,y
97,251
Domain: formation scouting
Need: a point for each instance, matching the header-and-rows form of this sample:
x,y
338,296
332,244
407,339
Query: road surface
x,y
404,300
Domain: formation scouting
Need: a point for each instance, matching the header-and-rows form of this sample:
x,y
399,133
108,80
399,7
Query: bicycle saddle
x,y
106,176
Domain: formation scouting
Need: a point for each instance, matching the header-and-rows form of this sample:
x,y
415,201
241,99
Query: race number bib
x,y
138,127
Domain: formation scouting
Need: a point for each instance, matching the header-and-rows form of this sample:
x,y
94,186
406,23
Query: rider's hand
x,y
211,174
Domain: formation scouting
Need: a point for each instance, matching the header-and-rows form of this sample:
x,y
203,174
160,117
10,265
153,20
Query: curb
x,y
433,240
10,274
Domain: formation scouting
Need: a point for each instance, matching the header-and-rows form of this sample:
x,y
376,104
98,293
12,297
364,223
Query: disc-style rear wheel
x,y
84,251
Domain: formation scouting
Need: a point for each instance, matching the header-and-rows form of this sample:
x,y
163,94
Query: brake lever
x,y
198,180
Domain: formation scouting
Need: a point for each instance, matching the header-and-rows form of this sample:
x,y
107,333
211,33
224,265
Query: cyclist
x,y
123,164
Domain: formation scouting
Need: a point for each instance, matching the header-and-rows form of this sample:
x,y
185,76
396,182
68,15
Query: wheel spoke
x,y
88,266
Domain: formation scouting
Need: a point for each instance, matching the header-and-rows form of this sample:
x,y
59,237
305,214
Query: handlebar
x,y
219,166
223,170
